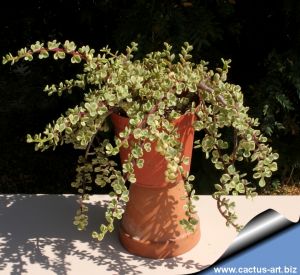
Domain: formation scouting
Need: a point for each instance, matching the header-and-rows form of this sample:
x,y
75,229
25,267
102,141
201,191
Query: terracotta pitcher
x,y
150,225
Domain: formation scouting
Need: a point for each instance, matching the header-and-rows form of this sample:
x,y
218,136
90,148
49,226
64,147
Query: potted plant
x,y
153,106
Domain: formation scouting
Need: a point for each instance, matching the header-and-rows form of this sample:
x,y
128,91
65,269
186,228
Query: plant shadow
x,y
38,229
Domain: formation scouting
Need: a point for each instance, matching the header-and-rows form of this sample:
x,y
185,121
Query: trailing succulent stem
x,y
152,92
191,220
98,168
220,106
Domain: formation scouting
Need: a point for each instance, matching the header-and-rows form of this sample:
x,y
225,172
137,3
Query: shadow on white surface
x,y
37,231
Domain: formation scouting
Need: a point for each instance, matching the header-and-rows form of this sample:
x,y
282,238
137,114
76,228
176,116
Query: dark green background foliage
x,y
261,37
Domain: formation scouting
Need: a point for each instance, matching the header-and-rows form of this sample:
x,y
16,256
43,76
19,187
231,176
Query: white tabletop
x,y
37,236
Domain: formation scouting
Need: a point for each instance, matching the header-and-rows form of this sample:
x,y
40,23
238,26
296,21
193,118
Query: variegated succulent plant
x,y
151,92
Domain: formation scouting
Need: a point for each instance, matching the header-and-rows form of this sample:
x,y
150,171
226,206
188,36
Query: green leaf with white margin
x,y
231,169
59,55
140,163
76,58
262,182
218,187
147,146
43,54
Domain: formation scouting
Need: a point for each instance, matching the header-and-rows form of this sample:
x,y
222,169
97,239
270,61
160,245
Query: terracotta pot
x,y
150,225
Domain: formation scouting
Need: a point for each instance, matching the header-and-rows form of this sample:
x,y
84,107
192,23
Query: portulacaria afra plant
x,y
151,92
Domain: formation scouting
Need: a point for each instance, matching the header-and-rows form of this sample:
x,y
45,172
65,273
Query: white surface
x,y
37,237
